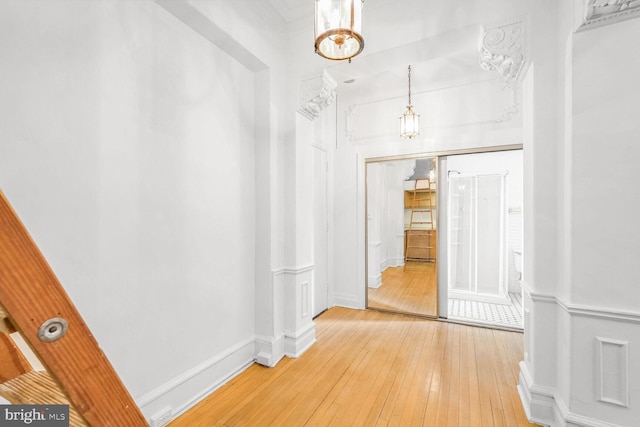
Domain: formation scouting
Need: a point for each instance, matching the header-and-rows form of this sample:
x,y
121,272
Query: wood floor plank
x,y
464,382
412,394
475,418
377,369
486,381
375,398
454,379
409,289
435,390
510,380
429,364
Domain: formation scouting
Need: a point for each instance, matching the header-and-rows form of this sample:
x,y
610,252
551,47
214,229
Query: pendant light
x,y
338,27
409,121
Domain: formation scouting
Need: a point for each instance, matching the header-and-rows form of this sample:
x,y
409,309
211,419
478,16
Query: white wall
x,y
128,149
604,242
581,304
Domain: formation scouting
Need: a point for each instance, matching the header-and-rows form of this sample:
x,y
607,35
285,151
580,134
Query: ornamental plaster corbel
x,y
502,49
316,94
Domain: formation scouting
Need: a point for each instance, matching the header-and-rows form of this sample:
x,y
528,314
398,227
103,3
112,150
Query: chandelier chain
x,y
409,85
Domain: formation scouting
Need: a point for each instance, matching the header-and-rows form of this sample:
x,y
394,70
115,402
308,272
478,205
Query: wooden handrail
x,y
31,294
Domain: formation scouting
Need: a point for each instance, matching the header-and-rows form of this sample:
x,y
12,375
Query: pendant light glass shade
x,y
338,27
409,121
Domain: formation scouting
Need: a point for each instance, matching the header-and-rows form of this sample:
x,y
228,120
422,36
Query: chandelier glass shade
x,y
409,121
338,29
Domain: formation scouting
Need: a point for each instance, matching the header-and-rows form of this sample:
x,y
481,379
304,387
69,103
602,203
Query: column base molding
x,y
297,342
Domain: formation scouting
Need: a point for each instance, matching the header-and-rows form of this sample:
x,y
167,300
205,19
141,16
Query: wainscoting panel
x,y
613,370
597,379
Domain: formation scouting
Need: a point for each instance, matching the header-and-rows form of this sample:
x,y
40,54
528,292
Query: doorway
x,y
473,274
484,238
401,205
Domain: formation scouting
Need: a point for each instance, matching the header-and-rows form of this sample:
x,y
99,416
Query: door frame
x,y
440,155
323,180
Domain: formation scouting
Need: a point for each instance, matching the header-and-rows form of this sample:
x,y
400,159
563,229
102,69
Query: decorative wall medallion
x,y
602,12
502,49
316,94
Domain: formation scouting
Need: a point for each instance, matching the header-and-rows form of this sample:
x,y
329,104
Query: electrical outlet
x,y
162,418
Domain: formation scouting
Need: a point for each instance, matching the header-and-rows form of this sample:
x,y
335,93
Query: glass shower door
x,y
477,237
461,233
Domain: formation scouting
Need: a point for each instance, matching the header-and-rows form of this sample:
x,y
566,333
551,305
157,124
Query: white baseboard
x,y
346,301
184,391
544,406
538,402
374,281
391,262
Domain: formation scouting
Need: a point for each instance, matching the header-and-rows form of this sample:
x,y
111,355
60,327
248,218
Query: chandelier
x,y
338,27
409,121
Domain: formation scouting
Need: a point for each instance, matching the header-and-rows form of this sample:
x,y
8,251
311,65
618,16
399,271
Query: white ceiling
x,y
446,56
292,10
440,60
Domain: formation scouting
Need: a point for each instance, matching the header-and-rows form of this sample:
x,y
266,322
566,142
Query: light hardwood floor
x,y
411,289
371,368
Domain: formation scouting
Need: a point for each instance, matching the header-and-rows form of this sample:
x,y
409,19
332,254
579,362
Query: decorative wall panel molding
x,y
316,95
305,303
597,13
613,371
348,116
474,104
546,406
502,49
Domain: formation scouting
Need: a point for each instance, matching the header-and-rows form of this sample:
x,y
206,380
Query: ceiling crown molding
x,y
597,13
502,49
316,95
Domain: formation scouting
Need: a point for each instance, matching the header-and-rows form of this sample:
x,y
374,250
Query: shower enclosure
x,y
477,249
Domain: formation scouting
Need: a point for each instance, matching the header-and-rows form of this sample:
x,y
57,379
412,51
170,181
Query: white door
x,y
320,232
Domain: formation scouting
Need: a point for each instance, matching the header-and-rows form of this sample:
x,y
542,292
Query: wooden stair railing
x,y
76,370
